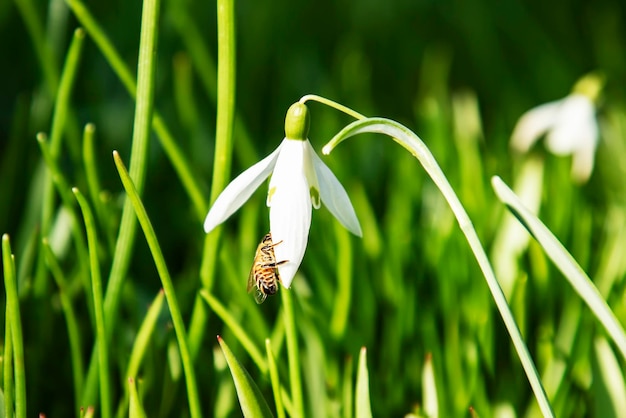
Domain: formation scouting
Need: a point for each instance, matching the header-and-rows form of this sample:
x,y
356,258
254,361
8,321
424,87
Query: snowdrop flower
x,y
569,125
299,181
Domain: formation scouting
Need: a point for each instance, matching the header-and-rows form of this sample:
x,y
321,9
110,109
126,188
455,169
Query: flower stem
x,y
293,353
333,104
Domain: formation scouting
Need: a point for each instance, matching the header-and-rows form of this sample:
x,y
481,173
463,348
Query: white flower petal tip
x,y
570,128
335,198
239,190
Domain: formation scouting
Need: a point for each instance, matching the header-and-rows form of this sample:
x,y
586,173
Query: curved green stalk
x,y
576,276
412,143
13,313
168,286
333,104
96,286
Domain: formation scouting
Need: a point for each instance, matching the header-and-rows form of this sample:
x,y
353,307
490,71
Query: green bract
x,y
297,122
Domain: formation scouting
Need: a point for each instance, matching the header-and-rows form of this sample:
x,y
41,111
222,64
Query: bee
x,y
264,276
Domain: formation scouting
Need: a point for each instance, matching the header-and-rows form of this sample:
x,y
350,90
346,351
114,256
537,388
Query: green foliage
x,y
160,84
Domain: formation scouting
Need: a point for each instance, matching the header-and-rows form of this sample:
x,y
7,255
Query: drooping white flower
x,y
569,125
299,181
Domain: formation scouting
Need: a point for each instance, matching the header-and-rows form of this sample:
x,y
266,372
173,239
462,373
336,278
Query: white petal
x,y
311,174
335,197
290,209
239,190
290,220
289,163
533,124
574,127
582,162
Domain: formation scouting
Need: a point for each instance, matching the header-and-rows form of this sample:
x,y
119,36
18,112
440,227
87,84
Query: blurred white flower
x,y
299,180
569,125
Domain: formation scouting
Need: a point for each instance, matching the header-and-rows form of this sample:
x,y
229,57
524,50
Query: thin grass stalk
x,y
223,153
13,313
43,50
144,91
275,379
63,188
73,330
572,271
168,286
7,363
142,340
57,128
339,319
98,306
179,162
93,182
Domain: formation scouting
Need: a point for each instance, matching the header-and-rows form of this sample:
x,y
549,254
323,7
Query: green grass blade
x,y
237,330
363,408
13,312
168,286
139,151
223,152
564,261
429,389
73,330
344,268
275,379
412,143
608,381
7,363
135,410
188,180
96,286
93,182
140,346
347,392
252,403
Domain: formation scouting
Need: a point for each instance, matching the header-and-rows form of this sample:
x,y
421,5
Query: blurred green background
x,y
414,285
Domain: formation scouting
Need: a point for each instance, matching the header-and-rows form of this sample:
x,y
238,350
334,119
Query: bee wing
x,y
259,297
251,278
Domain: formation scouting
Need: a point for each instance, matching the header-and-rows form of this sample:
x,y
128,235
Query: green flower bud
x,y
297,122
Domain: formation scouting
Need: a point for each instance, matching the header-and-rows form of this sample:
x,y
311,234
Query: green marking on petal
x,y
270,194
297,122
315,197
